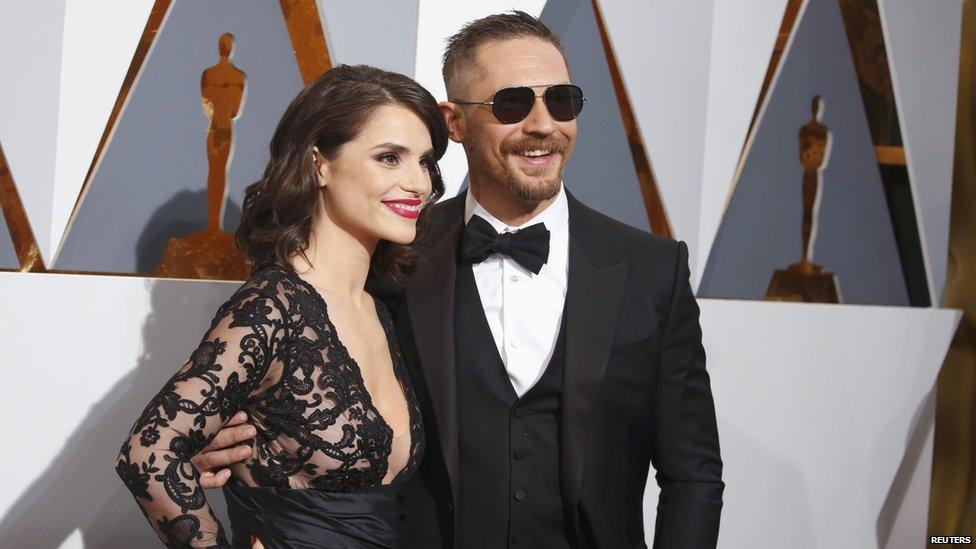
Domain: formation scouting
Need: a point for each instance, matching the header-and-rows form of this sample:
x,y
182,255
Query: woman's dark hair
x,y
277,214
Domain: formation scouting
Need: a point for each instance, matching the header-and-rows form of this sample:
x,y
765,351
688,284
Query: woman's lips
x,y
405,207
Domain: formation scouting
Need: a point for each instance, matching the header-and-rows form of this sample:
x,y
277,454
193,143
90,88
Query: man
x,y
558,352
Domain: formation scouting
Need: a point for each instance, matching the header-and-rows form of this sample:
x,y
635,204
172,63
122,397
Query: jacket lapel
x,y
430,304
597,275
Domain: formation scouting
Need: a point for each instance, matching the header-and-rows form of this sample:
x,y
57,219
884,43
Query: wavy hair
x,y
278,210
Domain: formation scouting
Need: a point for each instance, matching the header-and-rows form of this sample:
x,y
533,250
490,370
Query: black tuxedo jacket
x,y
635,389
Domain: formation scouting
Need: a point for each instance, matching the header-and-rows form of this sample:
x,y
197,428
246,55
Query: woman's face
x,y
376,184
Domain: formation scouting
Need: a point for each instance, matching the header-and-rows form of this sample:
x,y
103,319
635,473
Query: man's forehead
x,y
516,49
519,62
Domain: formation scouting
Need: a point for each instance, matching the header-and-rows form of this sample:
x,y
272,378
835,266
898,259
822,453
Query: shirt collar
x,y
555,216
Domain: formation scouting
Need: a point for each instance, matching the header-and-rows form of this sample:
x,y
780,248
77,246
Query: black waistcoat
x,y
508,477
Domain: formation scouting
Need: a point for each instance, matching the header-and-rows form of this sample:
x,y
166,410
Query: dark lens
x,y
564,101
511,105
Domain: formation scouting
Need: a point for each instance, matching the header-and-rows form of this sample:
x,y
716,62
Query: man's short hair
x,y
461,47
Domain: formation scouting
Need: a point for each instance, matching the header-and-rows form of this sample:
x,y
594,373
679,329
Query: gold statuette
x,y
212,253
806,281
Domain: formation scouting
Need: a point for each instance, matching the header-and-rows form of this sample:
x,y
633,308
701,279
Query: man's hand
x,y
222,451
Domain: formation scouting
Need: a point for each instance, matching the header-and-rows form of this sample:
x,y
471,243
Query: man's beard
x,y
537,191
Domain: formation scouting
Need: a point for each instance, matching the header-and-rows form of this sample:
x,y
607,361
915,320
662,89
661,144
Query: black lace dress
x,y
316,470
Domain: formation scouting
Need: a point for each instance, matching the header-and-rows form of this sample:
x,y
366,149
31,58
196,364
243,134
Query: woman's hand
x,y
222,451
256,542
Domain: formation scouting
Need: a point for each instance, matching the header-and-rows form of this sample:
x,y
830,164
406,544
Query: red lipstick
x,y
405,207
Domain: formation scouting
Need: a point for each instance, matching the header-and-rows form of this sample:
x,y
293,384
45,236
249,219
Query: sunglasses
x,y
511,105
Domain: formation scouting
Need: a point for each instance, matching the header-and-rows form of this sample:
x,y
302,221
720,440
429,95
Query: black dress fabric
x,y
321,450
305,519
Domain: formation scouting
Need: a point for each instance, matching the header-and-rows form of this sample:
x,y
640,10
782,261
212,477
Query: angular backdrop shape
x,y
381,33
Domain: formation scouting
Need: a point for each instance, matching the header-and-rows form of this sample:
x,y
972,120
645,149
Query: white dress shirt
x,y
524,310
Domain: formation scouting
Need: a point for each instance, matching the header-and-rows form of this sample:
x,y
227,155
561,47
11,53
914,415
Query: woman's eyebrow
x,y
401,149
395,147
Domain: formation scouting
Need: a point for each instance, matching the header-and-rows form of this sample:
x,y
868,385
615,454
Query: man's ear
x,y
454,119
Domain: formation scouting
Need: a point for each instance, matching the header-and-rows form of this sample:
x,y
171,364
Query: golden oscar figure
x,y
212,253
807,281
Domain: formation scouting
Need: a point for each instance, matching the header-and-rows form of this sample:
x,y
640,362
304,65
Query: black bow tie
x,y
529,247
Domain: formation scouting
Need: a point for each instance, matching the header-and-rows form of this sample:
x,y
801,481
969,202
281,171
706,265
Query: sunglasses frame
x,y
494,95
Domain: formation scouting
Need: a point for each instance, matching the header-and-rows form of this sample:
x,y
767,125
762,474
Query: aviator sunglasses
x,y
511,105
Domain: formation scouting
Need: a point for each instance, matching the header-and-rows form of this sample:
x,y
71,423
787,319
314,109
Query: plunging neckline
x,y
337,343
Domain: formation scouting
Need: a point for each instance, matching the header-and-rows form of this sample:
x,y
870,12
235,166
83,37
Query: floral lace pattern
x,y
272,351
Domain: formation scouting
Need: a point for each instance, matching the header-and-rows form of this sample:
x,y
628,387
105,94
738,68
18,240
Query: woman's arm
x,y
230,364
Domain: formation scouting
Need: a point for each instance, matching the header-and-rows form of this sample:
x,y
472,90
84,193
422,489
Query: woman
x,y
301,346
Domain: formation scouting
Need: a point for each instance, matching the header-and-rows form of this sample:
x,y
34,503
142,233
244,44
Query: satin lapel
x,y
597,275
430,303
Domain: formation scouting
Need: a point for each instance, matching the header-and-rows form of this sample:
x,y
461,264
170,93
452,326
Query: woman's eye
x,y
426,163
389,158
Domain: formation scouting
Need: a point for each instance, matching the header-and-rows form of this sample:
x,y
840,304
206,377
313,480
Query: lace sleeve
x,y
230,364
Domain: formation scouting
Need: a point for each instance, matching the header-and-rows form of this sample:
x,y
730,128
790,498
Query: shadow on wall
x,y
923,421
169,221
79,489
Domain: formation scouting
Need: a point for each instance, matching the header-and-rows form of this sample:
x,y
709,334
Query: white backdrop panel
x,y
436,21
825,416
922,38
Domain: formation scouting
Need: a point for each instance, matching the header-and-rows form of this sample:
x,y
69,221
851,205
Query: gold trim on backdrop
x,y
307,37
952,509
866,41
656,212
890,156
157,17
786,28
21,234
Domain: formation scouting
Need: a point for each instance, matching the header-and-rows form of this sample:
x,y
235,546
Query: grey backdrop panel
x,y
151,184
8,255
381,33
601,171
761,228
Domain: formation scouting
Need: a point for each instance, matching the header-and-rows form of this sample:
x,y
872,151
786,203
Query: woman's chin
x,y
401,237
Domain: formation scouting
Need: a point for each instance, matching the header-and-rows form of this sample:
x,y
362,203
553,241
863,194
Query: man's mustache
x,y
526,145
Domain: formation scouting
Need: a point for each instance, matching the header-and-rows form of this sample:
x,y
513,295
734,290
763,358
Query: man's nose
x,y
539,121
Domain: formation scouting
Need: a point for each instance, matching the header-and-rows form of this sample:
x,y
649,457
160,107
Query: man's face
x,y
527,158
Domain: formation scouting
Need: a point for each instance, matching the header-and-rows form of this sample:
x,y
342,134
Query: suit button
x,y
518,454
520,537
519,412
520,495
